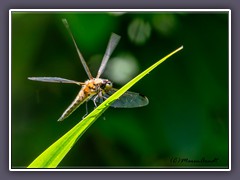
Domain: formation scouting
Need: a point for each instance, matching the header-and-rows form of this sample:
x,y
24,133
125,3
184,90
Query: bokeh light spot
x,y
164,23
139,31
122,68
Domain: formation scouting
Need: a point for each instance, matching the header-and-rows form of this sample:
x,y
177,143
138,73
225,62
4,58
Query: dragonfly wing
x,y
113,41
127,100
54,80
78,51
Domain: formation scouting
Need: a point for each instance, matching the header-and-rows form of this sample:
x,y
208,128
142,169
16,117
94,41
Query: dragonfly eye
x,y
109,84
106,85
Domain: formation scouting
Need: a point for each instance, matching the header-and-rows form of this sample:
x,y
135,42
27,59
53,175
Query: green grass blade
x,y
53,155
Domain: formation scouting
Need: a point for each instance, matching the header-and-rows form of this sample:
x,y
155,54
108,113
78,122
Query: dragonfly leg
x,y
86,110
94,100
104,97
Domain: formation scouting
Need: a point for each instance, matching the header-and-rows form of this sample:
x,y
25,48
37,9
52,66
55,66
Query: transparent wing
x,y
127,100
113,41
78,51
54,80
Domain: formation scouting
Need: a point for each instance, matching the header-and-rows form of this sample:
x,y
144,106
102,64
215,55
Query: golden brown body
x,y
96,89
89,89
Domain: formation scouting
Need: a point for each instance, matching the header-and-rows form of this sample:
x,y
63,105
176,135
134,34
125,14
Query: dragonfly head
x,y
106,85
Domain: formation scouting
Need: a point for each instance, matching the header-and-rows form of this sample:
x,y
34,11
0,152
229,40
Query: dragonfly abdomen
x,y
80,99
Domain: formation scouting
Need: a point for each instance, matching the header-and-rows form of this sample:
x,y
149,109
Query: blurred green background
x,y
187,117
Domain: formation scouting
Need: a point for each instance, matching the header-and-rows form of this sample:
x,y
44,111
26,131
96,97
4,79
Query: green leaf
x,y
53,155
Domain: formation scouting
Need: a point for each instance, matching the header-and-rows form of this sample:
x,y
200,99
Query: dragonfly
x,y
96,89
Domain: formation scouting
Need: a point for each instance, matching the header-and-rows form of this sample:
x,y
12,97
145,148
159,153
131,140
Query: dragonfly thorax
x,y
96,85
